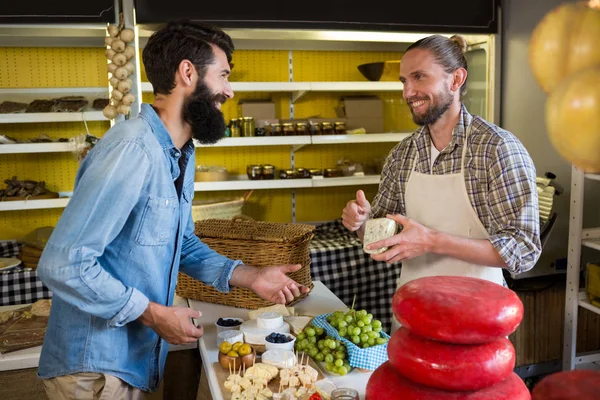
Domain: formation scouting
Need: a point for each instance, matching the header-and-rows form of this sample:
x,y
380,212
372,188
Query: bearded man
x,y
113,258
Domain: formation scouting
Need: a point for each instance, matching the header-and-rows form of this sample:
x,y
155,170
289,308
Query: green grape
x,y
300,336
329,366
364,337
340,355
320,345
310,332
361,313
319,357
366,320
349,318
370,316
325,350
371,342
312,340
356,331
377,330
351,328
342,371
365,345
356,339
304,342
313,352
333,345
343,332
367,329
342,324
376,323
319,330
380,340
372,335
329,358
338,363
360,324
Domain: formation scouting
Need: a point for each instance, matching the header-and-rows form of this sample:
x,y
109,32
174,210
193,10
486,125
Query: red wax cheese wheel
x,y
580,385
457,367
457,309
387,384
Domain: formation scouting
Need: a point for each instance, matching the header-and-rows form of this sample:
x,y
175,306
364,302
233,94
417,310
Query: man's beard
x,y
201,113
433,113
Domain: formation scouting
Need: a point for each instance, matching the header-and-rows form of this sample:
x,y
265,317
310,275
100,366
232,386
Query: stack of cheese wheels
x,y
255,330
452,344
580,385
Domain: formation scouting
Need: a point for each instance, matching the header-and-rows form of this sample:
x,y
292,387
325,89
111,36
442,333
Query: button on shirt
x,y
500,179
119,244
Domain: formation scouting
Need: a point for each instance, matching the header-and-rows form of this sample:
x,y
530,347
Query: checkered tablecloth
x,y
19,285
338,260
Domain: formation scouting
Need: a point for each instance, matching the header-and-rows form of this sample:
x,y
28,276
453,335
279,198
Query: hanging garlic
x,y
119,59
130,67
123,109
113,30
118,45
129,52
117,95
108,40
127,35
110,53
110,112
112,68
114,81
124,86
128,99
121,73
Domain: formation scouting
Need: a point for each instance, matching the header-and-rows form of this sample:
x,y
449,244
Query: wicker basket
x,y
256,243
217,209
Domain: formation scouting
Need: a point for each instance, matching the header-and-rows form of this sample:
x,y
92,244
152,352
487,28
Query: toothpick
x,y
229,365
280,384
234,369
244,364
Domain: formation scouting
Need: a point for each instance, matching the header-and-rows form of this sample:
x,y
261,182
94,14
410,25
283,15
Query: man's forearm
x,y
243,276
475,251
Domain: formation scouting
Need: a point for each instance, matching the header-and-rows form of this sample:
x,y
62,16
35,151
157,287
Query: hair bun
x,y
460,41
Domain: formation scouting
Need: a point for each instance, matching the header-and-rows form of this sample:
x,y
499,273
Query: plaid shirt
x,y
500,178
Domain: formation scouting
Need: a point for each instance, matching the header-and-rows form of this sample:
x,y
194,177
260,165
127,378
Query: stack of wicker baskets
x,y
30,256
256,243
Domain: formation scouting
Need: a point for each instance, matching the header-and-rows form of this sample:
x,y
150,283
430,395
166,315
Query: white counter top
x,y
320,301
29,358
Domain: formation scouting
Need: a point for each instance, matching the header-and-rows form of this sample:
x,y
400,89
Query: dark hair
x,y
178,41
448,52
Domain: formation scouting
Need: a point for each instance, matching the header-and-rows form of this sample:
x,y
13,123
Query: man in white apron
x,y
463,189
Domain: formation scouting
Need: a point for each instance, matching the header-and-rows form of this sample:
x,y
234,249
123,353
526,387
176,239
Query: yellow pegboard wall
x,y
311,207
327,156
236,159
54,130
41,67
56,169
16,224
263,205
335,66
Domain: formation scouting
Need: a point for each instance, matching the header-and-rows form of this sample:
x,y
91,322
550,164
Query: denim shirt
x,y
120,243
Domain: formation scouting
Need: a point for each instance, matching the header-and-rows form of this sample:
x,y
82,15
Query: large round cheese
x,y
446,366
231,336
269,320
388,384
457,309
580,385
255,335
279,358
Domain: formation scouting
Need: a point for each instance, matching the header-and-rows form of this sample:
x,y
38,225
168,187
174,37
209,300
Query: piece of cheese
x,y
255,335
377,229
231,336
278,308
297,323
269,320
279,358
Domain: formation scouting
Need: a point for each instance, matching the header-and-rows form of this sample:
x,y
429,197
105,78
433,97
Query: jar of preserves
x,y
268,171
332,173
248,127
288,173
327,128
302,129
254,172
276,130
315,128
315,172
340,128
344,394
303,173
289,129
235,127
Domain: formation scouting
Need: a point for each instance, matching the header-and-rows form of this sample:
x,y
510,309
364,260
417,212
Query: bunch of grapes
x,y
359,327
321,347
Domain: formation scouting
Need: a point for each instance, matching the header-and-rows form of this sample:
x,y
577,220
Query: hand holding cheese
x,y
270,283
413,241
356,212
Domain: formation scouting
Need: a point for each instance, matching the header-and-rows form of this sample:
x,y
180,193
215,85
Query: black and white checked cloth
x,y
338,260
19,285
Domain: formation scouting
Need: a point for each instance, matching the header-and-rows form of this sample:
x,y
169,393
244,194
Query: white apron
x,y
441,202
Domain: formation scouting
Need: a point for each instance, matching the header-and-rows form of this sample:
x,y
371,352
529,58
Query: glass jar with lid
x,y
302,129
344,394
315,128
289,129
327,128
275,130
268,171
235,127
340,128
254,172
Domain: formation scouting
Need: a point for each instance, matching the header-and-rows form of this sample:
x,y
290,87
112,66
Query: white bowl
x,y
229,328
281,346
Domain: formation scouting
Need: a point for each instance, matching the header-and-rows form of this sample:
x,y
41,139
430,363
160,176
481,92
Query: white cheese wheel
x,y
279,358
377,229
269,320
230,336
255,335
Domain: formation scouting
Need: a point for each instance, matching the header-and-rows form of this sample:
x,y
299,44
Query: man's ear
x,y
186,72
458,79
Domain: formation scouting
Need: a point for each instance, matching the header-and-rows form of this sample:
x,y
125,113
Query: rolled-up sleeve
x,y
106,191
514,212
203,263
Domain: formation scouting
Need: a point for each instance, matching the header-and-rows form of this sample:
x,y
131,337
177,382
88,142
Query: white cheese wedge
x,y
278,308
297,323
269,320
377,229
230,336
279,358
255,335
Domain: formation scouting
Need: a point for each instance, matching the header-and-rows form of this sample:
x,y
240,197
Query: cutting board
x,y
22,330
223,374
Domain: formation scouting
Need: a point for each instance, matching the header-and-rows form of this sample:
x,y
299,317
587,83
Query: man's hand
x,y
413,241
270,283
356,212
173,324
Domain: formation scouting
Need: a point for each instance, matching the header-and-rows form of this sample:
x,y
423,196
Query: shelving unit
x,y
575,297
20,148
52,117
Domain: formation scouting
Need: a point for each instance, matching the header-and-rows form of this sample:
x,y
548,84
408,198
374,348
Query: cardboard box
x,y
258,109
362,112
